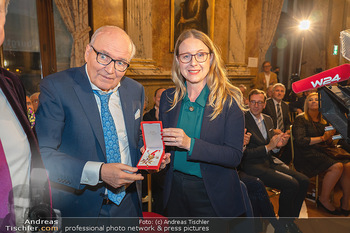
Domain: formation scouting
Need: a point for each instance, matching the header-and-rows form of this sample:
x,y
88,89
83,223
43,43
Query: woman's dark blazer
x,y
218,150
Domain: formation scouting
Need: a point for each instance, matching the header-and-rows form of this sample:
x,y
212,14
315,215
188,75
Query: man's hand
x,y
116,174
277,131
246,137
165,161
274,141
284,140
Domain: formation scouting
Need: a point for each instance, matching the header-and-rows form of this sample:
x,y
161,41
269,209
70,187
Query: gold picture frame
x,y
201,11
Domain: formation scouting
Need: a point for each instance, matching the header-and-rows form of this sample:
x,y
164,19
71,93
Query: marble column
x,y
139,26
237,38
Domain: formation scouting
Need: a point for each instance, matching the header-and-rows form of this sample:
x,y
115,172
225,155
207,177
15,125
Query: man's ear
x,y
87,52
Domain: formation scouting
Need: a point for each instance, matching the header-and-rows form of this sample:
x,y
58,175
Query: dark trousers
x,y
188,197
262,206
260,200
129,207
293,185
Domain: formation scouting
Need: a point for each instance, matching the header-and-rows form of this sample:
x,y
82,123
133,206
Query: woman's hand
x,y
328,135
176,137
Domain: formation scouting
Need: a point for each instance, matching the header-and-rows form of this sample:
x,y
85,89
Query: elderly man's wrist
x,y
100,176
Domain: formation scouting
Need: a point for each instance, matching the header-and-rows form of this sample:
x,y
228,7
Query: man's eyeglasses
x,y
253,102
105,60
187,57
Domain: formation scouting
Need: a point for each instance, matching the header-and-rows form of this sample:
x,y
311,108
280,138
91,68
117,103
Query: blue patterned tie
x,y
111,141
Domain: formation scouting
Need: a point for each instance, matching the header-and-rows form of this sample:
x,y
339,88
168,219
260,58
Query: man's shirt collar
x,y
94,87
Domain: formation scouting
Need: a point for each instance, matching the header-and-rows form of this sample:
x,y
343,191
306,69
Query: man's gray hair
x,y
278,85
101,29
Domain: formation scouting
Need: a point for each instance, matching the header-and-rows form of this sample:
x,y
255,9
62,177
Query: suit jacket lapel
x,y
254,129
38,177
10,93
173,118
273,111
205,123
269,128
88,102
127,106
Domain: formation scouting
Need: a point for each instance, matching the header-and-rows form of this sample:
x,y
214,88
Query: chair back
x,y
292,147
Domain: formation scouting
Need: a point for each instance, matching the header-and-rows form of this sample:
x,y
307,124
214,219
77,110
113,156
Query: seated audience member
x,y
259,160
269,92
313,146
243,89
153,114
35,100
296,104
266,78
30,111
277,109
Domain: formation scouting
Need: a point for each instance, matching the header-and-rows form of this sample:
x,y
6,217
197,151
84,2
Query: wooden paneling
x,y
46,36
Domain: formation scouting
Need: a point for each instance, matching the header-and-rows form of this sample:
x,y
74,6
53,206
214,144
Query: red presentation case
x,y
153,144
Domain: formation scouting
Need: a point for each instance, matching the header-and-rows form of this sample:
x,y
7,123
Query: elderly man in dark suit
x,y
23,179
258,159
88,125
277,109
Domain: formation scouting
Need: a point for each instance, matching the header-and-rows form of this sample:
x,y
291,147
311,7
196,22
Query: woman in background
x,y
312,143
203,128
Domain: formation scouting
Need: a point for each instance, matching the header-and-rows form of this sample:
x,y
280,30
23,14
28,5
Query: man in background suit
x,y
72,134
276,104
266,78
153,114
23,179
258,159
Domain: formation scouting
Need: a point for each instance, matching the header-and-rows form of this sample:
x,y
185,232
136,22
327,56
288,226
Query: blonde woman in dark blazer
x,y
203,129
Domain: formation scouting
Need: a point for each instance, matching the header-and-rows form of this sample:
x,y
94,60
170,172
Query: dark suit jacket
x,y
15,93
219,152
260,81
150,115
271,111
70,134
255,154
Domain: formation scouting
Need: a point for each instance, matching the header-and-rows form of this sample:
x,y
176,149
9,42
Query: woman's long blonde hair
x,y
306,110
219,85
